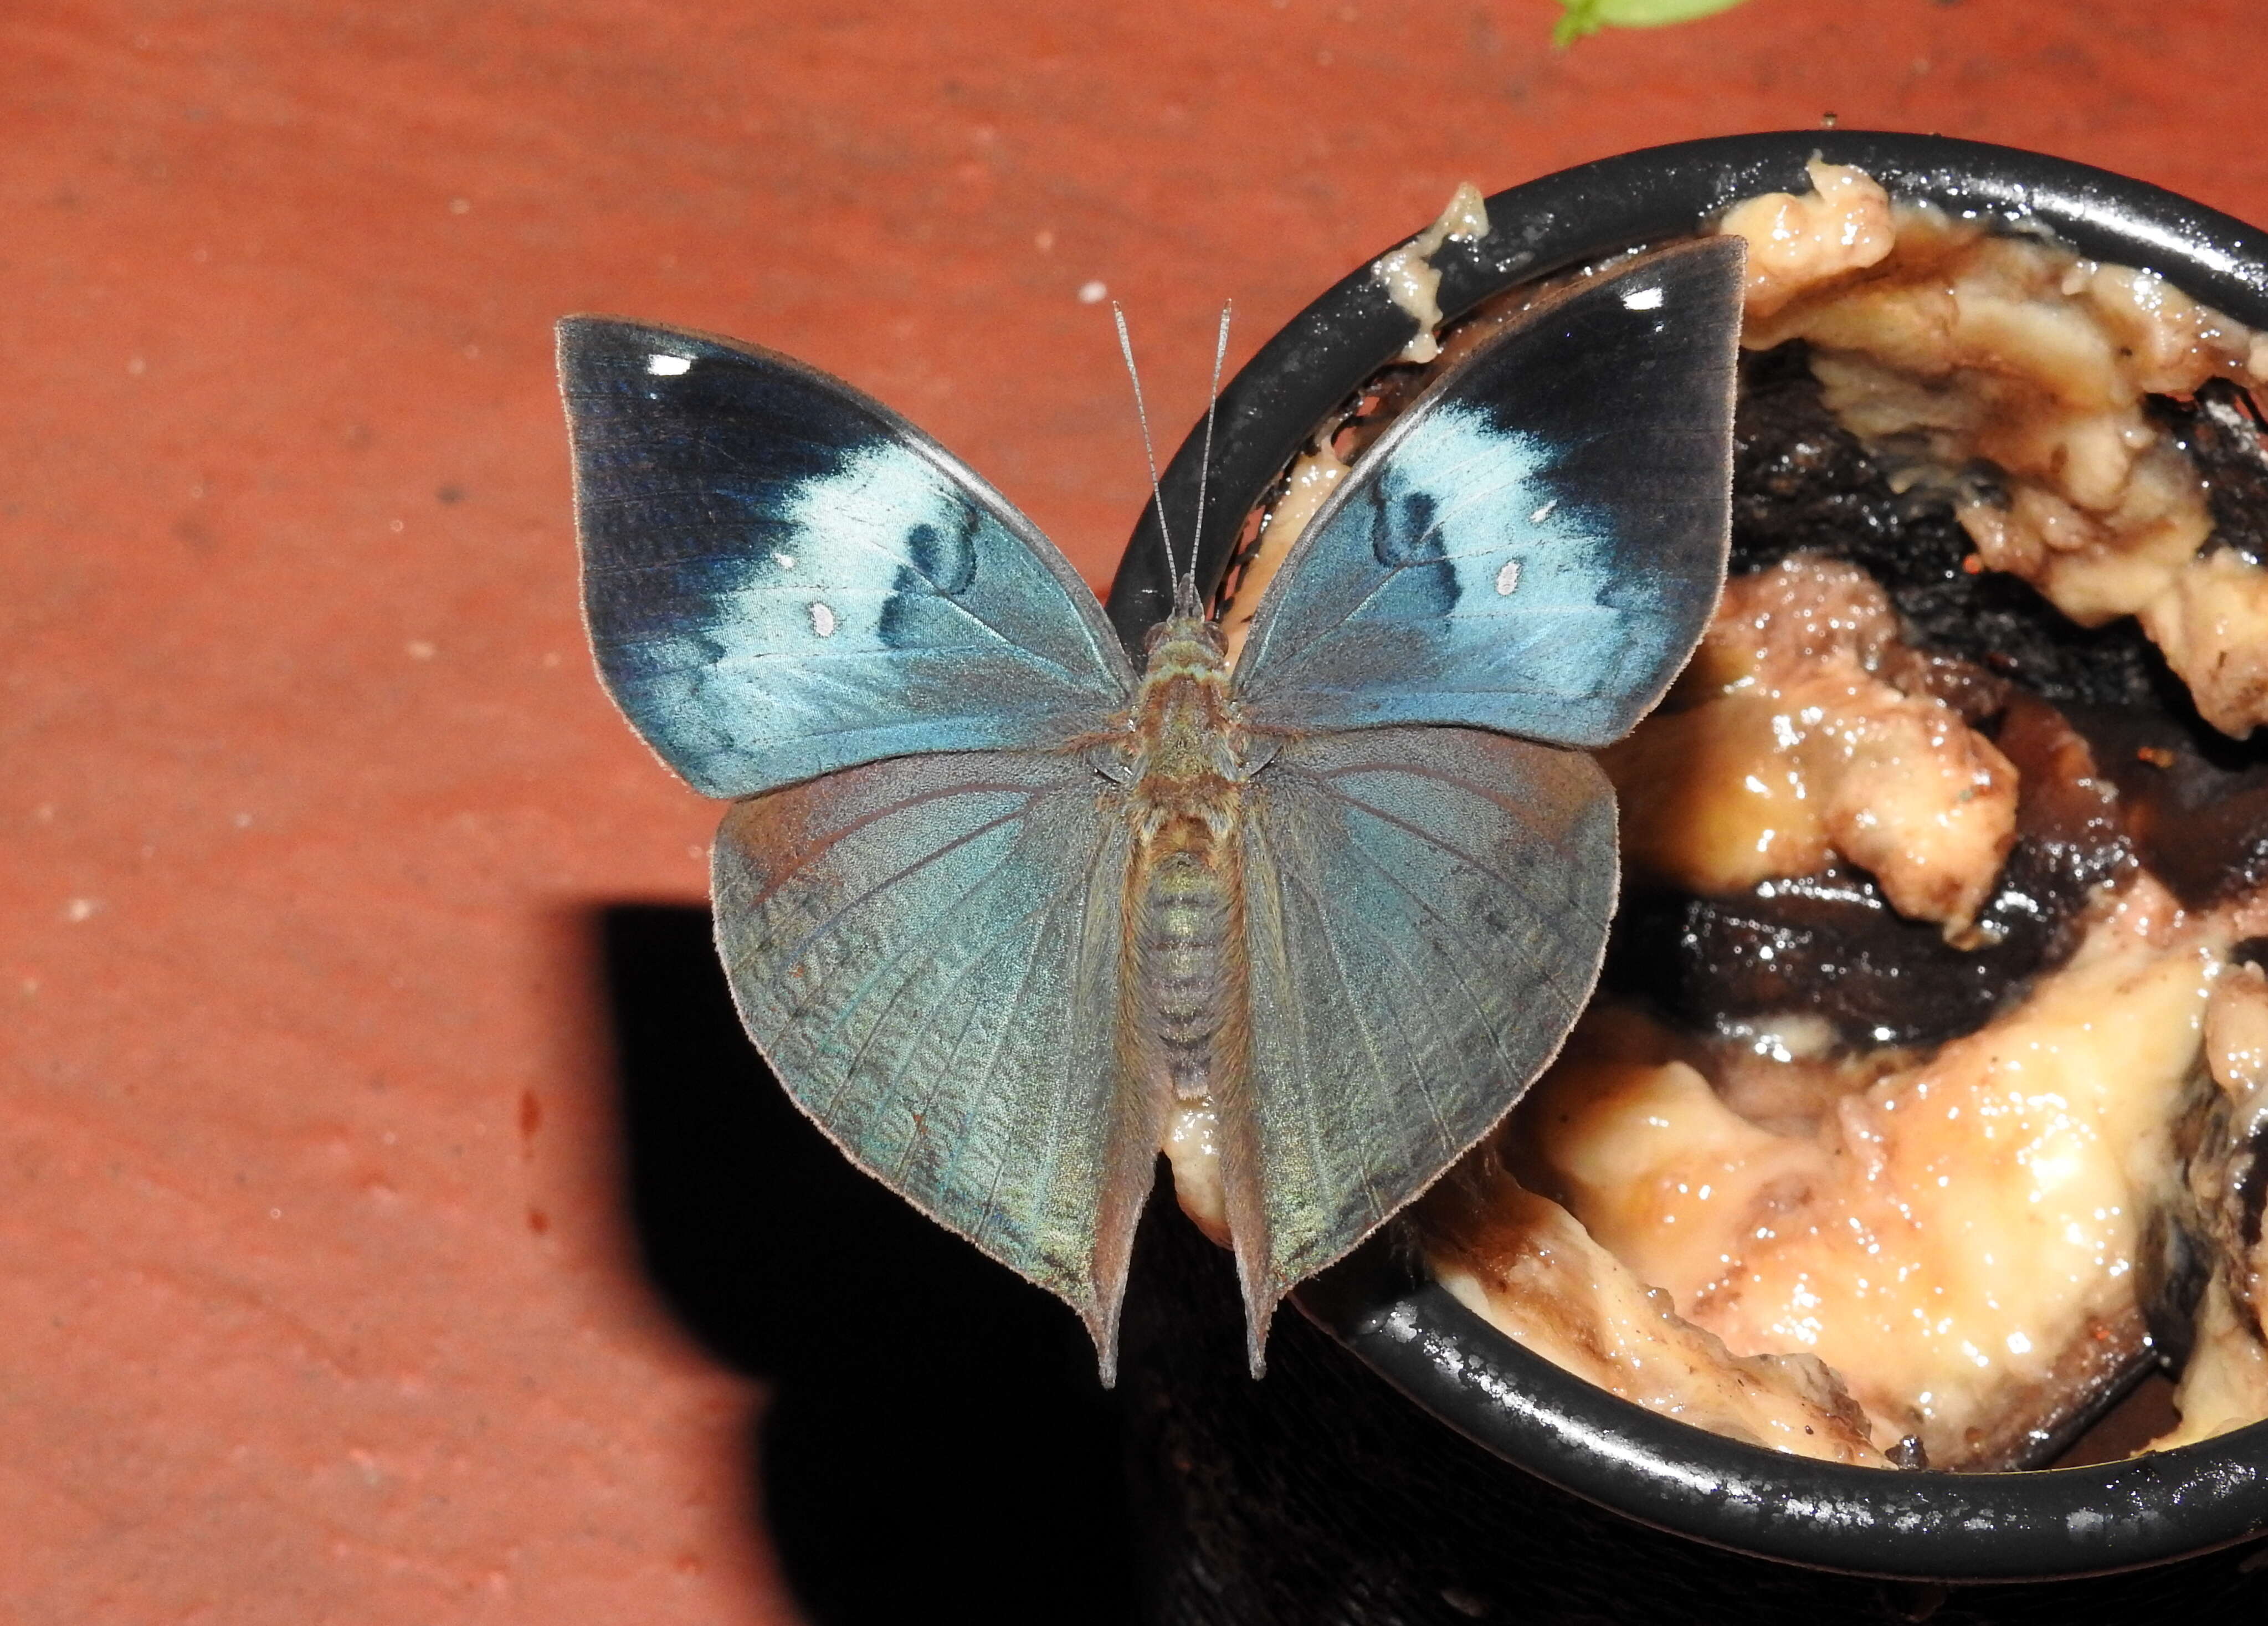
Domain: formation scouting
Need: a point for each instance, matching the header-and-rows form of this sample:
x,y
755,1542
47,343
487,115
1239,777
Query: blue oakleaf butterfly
x,y
994,905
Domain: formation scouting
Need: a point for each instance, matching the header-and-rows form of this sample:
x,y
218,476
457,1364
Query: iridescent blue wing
x,y
927,952
1537,544
784,578
1426,912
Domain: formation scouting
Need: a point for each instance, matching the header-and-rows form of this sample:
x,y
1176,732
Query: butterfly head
x,y
1185,641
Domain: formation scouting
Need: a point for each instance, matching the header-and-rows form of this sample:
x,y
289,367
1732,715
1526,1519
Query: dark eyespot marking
x,y
1403,532
948,559
1406,540
940,563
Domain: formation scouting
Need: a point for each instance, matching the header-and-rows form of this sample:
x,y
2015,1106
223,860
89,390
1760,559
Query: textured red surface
x,y
319,1294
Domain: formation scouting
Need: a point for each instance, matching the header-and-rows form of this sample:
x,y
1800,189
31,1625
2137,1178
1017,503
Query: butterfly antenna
x,y
1204,468
1157,494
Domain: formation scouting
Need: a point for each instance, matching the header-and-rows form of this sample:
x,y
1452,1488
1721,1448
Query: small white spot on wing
x,y
1543,513
1507,578
822,620
668,366
1642,300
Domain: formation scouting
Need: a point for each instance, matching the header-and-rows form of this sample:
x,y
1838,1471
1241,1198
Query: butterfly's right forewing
x,y
1536,543
928,950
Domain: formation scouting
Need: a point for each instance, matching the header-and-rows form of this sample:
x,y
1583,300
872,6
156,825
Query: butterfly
x,y
995,907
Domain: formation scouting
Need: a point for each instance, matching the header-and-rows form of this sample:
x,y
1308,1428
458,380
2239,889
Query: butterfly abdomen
x,y
1188,915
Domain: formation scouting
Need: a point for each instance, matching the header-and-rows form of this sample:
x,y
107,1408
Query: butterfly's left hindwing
x,y
1427,909
928,950
784,578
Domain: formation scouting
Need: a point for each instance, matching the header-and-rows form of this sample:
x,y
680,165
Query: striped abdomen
x,y
1185,984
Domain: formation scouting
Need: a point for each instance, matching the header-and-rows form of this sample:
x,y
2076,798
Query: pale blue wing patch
x,y
1427,909
927,950
784,578
1536,545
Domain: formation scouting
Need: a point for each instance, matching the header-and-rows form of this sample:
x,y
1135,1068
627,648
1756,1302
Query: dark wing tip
x,y
585,338
593,348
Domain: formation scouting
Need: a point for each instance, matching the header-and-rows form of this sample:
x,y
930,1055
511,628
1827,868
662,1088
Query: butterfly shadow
x,y
937,1437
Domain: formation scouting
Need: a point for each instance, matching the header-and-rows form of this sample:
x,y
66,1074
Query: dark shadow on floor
x,y
937,1446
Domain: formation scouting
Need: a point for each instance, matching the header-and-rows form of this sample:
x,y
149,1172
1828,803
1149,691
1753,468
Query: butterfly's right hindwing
x,y
1427,909
784,578
928,952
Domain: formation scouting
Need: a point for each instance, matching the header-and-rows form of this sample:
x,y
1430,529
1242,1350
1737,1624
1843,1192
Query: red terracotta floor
x,y
320,1300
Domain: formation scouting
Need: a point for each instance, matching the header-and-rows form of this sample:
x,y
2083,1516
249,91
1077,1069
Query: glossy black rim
x,y
1412,1332
1913,1524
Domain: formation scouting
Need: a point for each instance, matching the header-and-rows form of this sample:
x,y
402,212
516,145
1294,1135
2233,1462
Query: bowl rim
x,y
1902,1524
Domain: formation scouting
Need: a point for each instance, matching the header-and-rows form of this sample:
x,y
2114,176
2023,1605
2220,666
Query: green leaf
x,y
1578,18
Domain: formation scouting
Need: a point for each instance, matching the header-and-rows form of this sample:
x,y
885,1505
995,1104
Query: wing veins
x,y
1086,877
1508,882
1079,621
1324,634
936,921
1052,1154
1311,1121
968,1020
826,926
1395,1010
1078,993
919,725
1029,794
1323,922
1324,787
1011,929
1478,949
1116,683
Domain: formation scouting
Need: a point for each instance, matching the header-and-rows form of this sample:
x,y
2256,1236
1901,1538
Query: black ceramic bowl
x,y
1411,1332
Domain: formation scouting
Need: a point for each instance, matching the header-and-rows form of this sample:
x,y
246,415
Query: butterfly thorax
x,y
1190,740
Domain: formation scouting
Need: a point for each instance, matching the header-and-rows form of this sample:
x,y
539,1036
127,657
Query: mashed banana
x,y
1928,1102
1945,346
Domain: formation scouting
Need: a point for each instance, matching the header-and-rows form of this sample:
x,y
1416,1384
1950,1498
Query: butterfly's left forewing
x,y
784,577
927,950
1427,909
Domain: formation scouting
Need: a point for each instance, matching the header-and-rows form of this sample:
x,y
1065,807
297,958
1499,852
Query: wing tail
x,y
1120,1198
1130,1150
1243,1156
